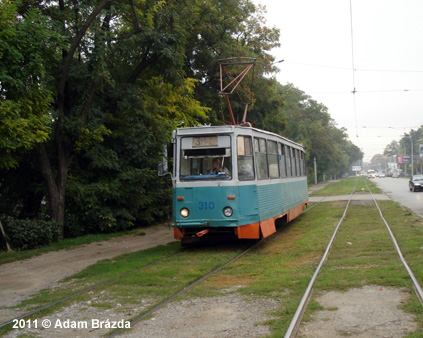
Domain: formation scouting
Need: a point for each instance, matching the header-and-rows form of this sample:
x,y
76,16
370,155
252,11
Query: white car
x,y
381,175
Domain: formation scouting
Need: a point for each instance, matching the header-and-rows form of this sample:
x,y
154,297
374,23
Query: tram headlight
x,y
184,212
227,211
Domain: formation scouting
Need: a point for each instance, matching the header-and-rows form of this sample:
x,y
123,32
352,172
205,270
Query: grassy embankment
x,y
280,268
64,244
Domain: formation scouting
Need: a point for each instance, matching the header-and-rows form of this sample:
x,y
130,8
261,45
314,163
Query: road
x,y
397,189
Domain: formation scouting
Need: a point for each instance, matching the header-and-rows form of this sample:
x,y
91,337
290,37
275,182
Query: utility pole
x,y
315,171
405,165
412,155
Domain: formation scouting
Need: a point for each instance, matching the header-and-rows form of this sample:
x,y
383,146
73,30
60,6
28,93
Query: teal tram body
x,y
235,179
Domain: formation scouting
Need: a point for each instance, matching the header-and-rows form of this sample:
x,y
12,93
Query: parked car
x,y
381,175
416,183
395,175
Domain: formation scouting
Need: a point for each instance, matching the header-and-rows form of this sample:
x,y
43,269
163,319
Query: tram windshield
x,y
204,159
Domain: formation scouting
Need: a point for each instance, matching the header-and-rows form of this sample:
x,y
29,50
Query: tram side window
x,y
273,159
293,167
300,163
304,163
297,161
288,161
245,158
261,158
282,164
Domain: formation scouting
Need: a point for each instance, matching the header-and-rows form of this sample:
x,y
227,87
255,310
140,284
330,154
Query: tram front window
x,y
206,164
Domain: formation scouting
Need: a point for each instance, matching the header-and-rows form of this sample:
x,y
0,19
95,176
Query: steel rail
x,y
85,290
316,203
27,314
296,320
294,325
166,301
416,284
186,288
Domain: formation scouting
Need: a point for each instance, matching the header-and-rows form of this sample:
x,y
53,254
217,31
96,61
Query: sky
x,y
384,44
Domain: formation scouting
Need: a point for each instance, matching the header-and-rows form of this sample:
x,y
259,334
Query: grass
x,y
346,186
280,268
363,254
155,283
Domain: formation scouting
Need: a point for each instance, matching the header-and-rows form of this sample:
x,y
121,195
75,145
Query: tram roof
x,y
229,129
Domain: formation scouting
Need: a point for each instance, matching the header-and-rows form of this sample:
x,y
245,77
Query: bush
x,y
24,234
73,227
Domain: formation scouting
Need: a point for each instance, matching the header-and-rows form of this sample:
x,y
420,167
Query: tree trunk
x,y
56,179
5,238
56,184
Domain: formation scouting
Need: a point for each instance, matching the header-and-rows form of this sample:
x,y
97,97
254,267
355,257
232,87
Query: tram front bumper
x,y
224,223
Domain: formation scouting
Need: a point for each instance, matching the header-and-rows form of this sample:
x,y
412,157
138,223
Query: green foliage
x,y
24,234
19,133
409,143
21,190
173,104
99,95
308,122
132,197
26,49
226,29
89,137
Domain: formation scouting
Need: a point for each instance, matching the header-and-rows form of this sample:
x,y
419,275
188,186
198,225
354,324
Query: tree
x,y
25,98
96,88
117,78
392,149
408,143
308,122
379,161
227,29
77,80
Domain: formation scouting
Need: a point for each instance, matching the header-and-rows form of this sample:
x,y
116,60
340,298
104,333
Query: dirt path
x,y
19,280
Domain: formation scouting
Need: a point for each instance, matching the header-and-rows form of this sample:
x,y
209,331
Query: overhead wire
x,y
356,69
371,91
353,68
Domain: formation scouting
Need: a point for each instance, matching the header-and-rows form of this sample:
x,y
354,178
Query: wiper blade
x,y
204,177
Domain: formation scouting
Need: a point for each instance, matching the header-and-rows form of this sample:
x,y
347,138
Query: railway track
x,y
295,323
185,289
85,290
297,318
156,307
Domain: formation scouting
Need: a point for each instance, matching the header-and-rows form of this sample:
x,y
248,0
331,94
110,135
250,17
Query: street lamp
x,y
280,61
412,156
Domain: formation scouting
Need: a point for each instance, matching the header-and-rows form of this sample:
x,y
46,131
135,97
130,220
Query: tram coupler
x,y
202,233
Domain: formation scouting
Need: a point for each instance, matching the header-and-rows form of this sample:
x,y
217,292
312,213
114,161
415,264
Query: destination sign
x,y
204,141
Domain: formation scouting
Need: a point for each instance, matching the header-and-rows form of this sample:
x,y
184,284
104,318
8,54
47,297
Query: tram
x,y
235,179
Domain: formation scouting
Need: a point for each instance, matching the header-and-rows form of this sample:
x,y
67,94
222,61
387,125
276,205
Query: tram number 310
x,y
205,205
